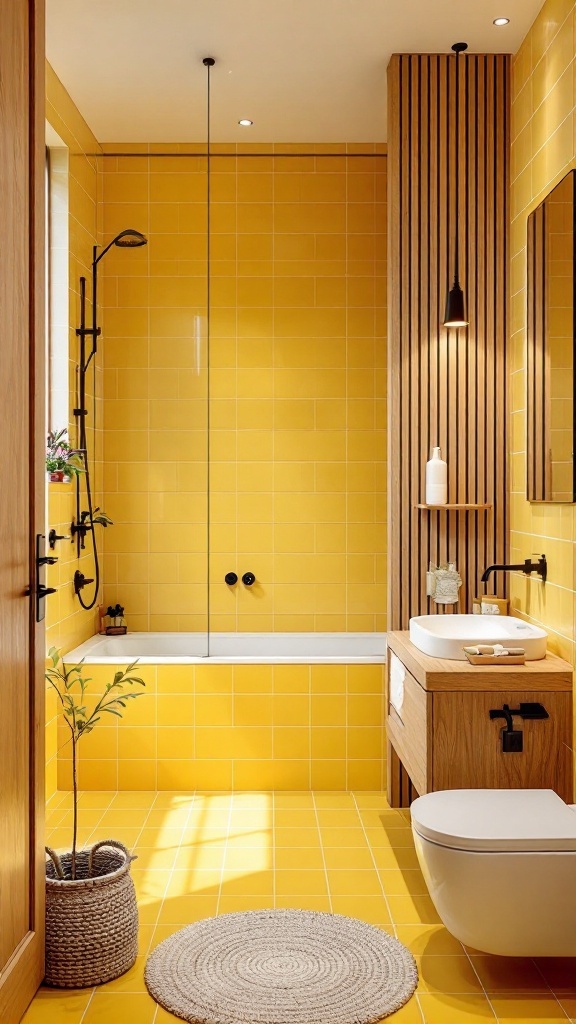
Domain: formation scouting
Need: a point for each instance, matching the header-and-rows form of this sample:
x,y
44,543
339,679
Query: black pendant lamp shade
x,y
455,315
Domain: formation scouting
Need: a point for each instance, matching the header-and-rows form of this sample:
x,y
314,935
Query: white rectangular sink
x,y
444,636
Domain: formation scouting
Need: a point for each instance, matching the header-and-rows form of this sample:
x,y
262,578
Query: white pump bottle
x,y
436,480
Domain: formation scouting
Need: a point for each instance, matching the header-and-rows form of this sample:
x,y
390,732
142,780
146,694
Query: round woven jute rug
x,y
281,967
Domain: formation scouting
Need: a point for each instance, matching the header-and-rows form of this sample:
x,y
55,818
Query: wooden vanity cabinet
x,y
441,735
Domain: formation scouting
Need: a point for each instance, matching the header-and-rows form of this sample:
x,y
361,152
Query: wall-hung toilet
x,y
500,866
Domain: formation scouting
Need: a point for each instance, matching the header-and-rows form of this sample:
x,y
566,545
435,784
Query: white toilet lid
x,y
496,820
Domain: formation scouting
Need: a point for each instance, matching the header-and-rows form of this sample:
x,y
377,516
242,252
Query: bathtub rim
x,y
87,651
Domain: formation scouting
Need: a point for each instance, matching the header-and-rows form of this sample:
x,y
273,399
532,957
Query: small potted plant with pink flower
x,y
62,461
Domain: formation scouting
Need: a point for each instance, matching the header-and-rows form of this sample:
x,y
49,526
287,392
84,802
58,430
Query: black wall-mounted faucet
x,y
527,567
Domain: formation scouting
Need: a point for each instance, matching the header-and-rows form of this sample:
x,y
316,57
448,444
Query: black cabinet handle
x,y
40,590
248,579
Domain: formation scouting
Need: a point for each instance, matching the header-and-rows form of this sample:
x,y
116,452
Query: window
x,y
57,325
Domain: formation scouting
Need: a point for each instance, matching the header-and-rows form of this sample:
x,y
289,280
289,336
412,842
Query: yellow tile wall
x,y
543,150
296,389
66,623
241,727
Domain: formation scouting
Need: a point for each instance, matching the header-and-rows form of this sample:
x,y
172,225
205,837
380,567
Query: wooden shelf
x,y
454,508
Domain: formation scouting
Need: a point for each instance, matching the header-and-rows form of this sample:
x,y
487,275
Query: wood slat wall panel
x,y
447,387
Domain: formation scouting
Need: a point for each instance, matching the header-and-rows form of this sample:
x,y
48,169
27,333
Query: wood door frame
x,y
25,970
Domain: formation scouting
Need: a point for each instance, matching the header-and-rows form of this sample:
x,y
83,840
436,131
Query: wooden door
x,y
21,502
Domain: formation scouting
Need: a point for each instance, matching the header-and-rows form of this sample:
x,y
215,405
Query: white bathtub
x,y
232,648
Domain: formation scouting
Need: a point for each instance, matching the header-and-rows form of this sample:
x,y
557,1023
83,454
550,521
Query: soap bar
x,y
495,651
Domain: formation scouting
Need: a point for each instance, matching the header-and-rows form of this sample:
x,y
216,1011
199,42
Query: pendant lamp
x,y
455,315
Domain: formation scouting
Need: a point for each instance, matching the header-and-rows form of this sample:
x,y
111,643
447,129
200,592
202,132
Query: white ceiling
x,y
302,70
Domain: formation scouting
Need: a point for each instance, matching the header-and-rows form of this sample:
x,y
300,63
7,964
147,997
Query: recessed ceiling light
x,y
501,21
245,122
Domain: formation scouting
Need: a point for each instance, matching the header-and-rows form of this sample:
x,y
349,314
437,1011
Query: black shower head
x,y
128,239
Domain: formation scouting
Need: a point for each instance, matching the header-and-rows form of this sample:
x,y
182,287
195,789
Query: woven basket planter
x,y
92,922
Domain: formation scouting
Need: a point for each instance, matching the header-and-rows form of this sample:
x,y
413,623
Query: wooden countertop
x,y
550,673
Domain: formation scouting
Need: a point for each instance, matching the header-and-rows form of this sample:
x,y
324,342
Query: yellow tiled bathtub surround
x,y
543,150
202,854
238,727
295,396
67,624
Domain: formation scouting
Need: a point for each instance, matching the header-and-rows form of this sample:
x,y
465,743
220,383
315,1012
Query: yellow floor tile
x,y
343,801
52,1006
132,981
340,818
533,1009
349,858
133,799
392,837
348,837
247,883
559,972
112,1008
231,904
295,837
372,909
150,857
408,882
305,857
386,858
293,818
509,974
298,801
186,909
407,1014
412,910
449,974
300,883
354,883
303,902
433,939
454,1009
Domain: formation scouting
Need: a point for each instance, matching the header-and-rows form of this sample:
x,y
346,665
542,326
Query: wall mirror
x,y
551,468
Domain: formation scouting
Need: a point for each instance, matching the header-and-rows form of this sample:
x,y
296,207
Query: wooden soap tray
x,y
500,659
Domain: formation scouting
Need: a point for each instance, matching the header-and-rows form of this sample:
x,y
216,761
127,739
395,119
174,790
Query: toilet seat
x,y
496,820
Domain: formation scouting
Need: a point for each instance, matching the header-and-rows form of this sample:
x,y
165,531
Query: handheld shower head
x,y
129,239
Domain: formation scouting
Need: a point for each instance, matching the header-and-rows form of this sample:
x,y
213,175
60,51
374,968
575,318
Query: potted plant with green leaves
x,y
116,615
91,912
62,461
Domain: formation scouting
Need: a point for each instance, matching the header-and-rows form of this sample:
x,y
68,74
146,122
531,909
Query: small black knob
x,y
80,581
53,537
248,579
230,578
46,560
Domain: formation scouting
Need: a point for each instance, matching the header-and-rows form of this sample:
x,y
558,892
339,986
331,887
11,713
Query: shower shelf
x,y
455,508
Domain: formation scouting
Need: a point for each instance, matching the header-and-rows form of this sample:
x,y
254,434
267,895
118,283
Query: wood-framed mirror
x,y
551,346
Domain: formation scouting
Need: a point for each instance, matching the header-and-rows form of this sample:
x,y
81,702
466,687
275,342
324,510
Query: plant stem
x,y
75,809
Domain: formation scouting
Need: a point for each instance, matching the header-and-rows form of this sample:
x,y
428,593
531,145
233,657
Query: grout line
x,y
358,812
274,849
228,826
322,851
549,987
87,1007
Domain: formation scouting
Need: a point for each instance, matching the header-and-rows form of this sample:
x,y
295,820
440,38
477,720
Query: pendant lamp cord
x,y
457,148
458,49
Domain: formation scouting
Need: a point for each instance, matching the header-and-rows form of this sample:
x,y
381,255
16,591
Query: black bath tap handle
x,y
248,579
